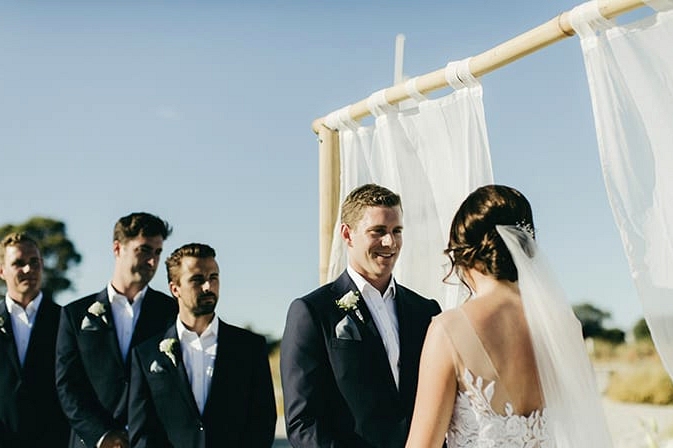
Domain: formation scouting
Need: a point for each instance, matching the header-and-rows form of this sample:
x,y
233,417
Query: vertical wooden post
x,y
329,185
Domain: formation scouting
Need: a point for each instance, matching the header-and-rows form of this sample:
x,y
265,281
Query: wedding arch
x,y
436,151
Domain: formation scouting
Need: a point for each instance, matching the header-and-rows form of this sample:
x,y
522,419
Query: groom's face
x,y
374,243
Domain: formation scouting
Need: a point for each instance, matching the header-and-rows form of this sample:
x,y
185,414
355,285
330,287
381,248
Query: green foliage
x,y
57,250
641,331
592,319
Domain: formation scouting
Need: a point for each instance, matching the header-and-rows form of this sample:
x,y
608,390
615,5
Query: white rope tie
x,y
412,90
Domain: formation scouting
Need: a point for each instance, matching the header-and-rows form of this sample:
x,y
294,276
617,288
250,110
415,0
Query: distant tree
x,y
641,331
592,319
57,250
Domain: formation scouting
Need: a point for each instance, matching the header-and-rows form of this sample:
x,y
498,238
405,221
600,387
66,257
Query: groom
x,y
350,352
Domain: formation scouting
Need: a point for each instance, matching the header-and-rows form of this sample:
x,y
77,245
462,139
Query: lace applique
x,y
475,424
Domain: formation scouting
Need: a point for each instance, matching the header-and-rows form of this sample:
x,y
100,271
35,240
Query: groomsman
x,y
97,333
351,348
30,414
203,383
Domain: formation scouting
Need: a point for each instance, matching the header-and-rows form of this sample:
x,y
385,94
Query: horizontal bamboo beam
x,y
524,44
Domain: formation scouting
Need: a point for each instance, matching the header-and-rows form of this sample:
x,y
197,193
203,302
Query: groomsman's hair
x,y
368,195
174,261
15,239
140,224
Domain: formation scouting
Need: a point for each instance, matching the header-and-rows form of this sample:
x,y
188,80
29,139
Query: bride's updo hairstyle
x,y
474,241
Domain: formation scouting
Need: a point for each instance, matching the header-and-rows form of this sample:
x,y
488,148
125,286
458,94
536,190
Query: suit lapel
x,y
178,372
404,322
7,338
40,332
110,330
371,334
140,330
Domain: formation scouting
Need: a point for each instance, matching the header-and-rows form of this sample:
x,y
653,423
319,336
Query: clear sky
x,y
201,111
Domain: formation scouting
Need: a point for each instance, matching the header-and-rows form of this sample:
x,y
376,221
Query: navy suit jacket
x,y
30,414
240,410
91,377
340,392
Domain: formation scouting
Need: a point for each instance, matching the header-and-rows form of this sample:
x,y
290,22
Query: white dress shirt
x,y
198,355
384,313
125,316
22,322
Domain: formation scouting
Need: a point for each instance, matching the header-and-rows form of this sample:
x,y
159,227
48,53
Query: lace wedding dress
x,y
483,415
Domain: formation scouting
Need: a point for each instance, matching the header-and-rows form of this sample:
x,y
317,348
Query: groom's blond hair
x,y
368,195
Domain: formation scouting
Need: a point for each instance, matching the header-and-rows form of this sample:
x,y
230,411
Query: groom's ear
x,y
345,233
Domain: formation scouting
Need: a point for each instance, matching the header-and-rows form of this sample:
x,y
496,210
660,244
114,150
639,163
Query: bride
x,y
508,368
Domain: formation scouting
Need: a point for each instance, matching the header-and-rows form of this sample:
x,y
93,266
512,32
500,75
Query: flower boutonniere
x,y
349,302
98,309
167,347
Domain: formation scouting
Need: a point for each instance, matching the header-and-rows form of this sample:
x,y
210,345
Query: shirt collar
x,y
361,283
210,332
113,294
31,309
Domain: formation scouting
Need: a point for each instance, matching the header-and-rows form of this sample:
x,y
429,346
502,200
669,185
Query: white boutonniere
x,y
2,325
349,302
98,309
167,347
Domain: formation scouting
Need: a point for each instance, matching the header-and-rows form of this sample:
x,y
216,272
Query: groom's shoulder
x,y
416,299
320,297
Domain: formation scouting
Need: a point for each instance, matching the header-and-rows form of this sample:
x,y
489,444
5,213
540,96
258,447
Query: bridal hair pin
x,y
526,228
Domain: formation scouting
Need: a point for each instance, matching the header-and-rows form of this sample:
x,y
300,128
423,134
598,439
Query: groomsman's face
x,y
374,243
138,257
22,271
198,286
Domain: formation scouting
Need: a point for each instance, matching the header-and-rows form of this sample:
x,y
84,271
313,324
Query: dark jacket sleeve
x,y
78,399
304,365
260,426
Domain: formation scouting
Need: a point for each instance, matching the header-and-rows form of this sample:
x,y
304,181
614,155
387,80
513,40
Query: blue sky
x,y
201,111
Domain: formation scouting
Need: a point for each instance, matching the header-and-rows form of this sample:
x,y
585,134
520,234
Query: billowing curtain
x,y
630,74
433,154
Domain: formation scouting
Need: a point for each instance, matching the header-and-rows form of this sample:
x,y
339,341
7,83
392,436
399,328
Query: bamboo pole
x,y
516,48
328,178
522,45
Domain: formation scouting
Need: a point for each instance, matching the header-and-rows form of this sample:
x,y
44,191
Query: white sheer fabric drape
x,y
630,74
433,155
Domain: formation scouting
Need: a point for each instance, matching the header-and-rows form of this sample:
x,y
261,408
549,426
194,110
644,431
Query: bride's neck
x,y
484,285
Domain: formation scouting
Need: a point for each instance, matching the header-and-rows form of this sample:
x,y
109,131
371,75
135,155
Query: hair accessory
x,y
526,227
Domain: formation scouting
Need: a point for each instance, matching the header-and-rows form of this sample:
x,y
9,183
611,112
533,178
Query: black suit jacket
x,y
30,414
240,410
91,377
339,392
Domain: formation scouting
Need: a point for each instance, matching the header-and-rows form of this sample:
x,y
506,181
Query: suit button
x,y
200,427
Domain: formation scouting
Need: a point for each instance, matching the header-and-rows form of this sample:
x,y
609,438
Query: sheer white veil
x,y
572,401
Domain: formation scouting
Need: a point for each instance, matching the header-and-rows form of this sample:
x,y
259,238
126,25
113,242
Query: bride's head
x,y
474,242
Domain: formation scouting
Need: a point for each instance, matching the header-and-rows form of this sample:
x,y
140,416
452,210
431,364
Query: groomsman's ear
x,y
346,233
116,246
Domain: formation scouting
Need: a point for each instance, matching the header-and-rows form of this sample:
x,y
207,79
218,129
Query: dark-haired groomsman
x,y
202,383
97,332
30,414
